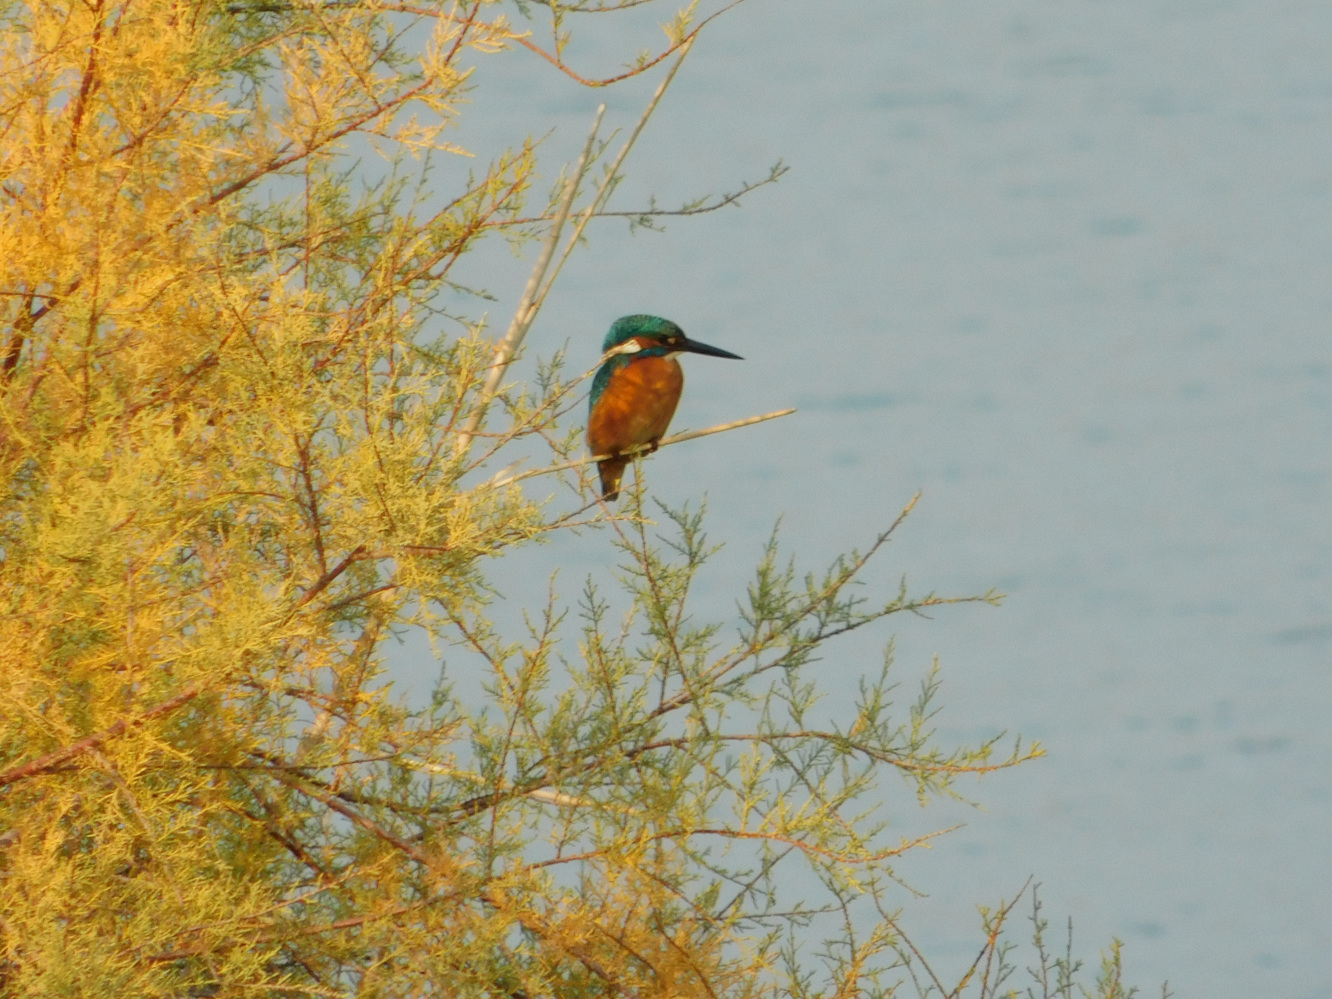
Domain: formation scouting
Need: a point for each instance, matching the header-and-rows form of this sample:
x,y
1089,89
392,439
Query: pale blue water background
x,y
1066,268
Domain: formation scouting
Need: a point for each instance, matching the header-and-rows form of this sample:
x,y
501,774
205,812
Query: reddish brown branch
x,y
18,336
52,760
322,582
556,61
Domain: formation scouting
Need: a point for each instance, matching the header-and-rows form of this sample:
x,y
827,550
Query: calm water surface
x,y
1067,269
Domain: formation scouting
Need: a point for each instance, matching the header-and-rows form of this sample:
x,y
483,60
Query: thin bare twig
x,y
632,452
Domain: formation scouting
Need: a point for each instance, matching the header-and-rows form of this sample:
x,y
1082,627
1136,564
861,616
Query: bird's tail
x,y
612,470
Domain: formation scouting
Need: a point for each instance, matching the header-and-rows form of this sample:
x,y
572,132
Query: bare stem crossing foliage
x,y
249,437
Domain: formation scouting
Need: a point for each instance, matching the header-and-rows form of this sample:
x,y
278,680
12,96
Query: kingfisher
x,y
636,389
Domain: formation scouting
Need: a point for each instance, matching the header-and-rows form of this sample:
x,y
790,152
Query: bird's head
x,y
652,336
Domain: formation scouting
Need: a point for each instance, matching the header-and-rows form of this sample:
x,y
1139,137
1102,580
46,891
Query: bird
x,y
636,389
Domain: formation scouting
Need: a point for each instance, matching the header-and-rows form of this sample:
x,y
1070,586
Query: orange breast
x,y
637,405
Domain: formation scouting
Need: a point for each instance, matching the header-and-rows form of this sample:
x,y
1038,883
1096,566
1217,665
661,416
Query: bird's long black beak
x,y
694,347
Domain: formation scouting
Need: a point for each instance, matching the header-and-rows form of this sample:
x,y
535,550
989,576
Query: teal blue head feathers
x,y
649,327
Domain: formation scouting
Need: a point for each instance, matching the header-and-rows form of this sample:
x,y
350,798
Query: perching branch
x,y
680,438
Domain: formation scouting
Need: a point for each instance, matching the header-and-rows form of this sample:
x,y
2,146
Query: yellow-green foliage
x,y
232,447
